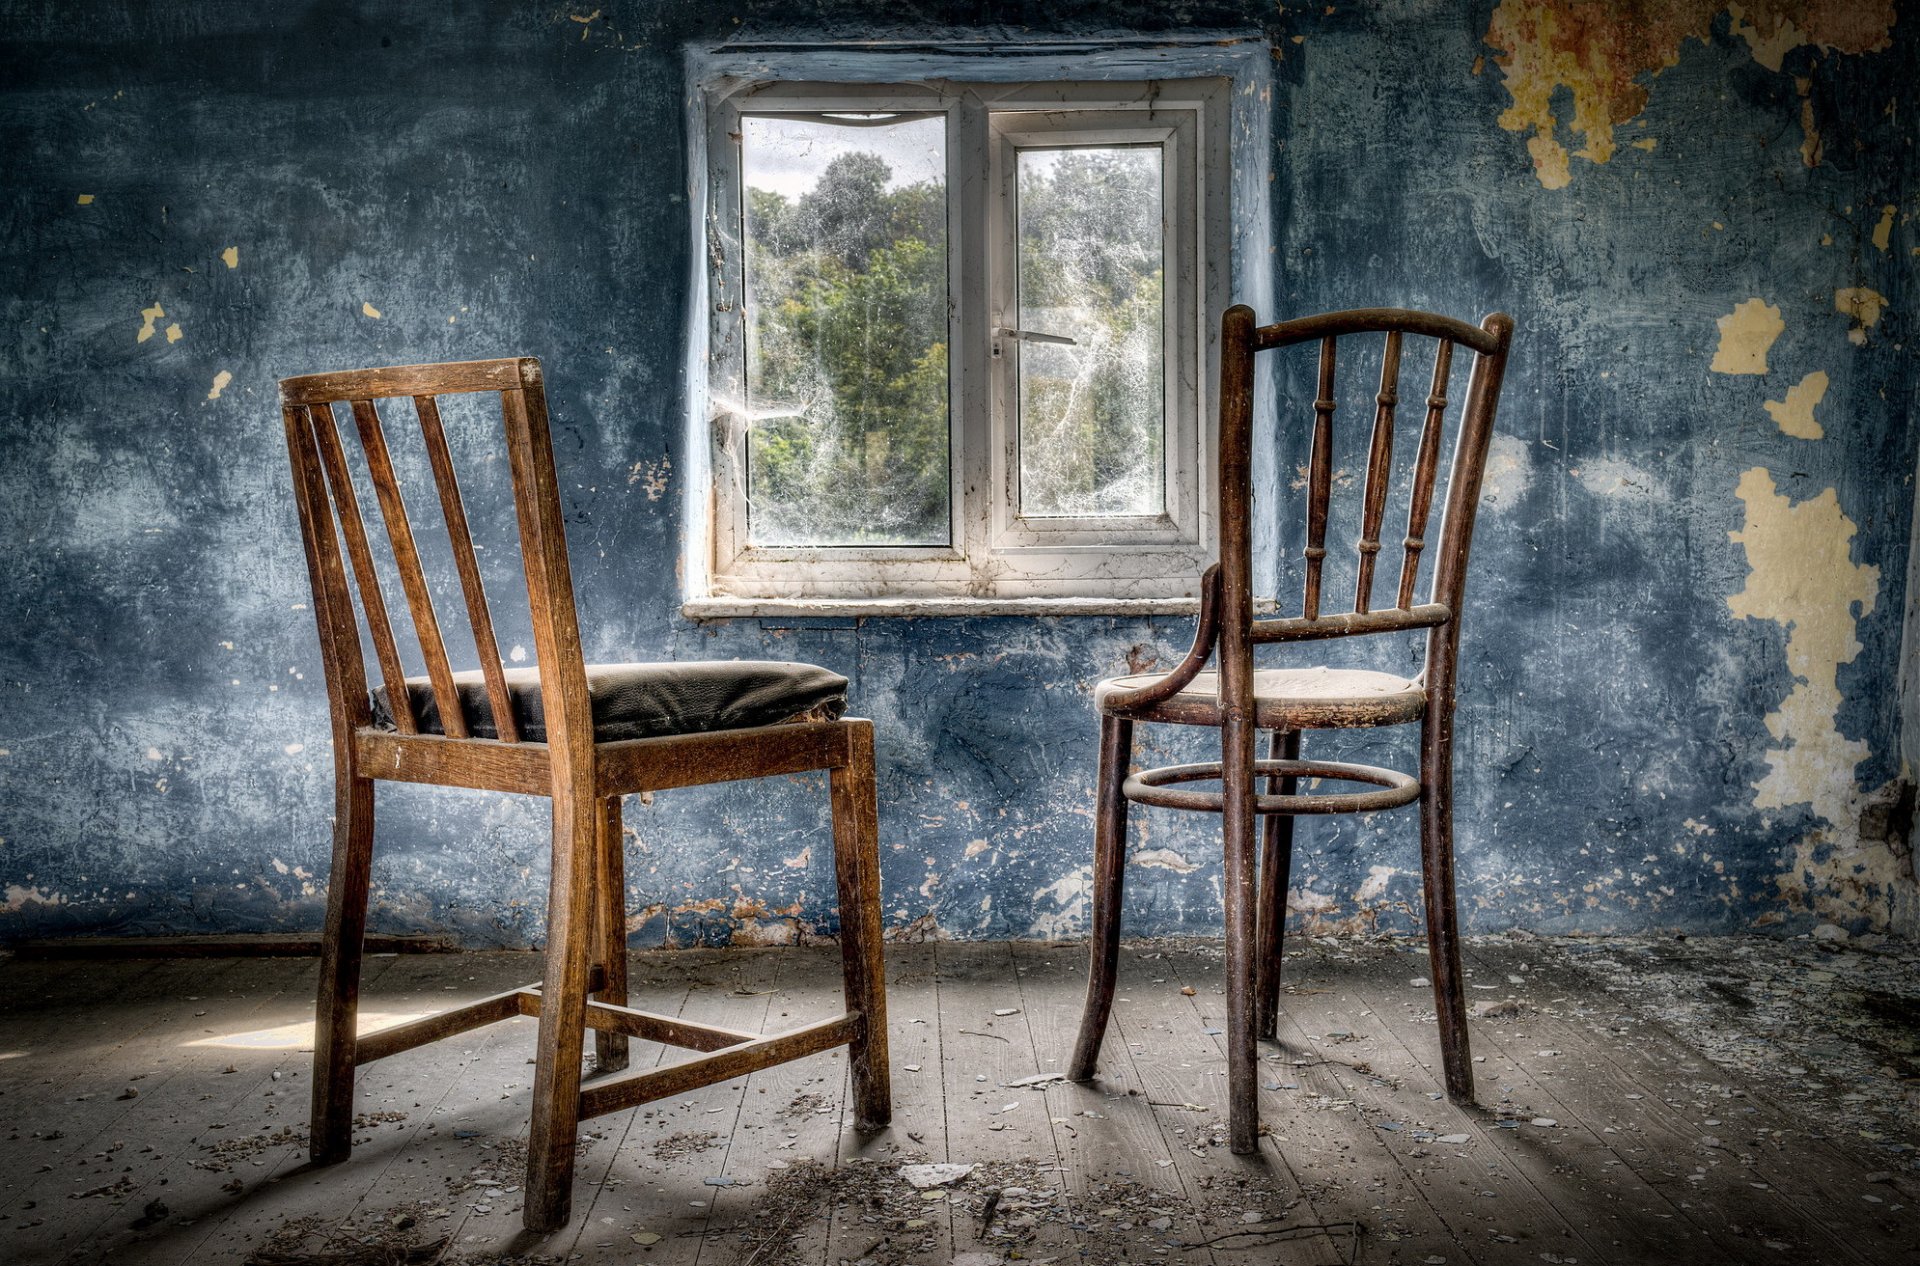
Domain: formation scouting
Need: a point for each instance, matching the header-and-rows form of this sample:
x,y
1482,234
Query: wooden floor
x,y
155,1112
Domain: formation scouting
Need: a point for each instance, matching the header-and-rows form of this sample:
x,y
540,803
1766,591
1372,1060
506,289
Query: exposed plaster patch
x,y
1509,472
85,200
1801,576
367,309
174,333
1165,859
231,257
1605,56
1071,895
651,476
1613,478
1375,884
1746,335
146,326
220,382
1795,413
1864,305
976,847
18,898
1883,231
799,860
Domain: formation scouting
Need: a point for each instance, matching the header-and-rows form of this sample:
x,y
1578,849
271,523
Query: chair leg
x,y
1109,877
337,1005
610,930
1443,931
856,870
1237,824
1276,863
556,1078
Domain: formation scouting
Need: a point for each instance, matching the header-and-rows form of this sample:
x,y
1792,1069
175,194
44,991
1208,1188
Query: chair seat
x,y
636,701
1283,699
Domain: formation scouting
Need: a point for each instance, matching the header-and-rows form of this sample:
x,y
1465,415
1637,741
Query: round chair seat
x,y
1283,699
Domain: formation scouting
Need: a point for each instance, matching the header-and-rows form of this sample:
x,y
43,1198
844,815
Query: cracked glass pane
x,y
846,295
1092,413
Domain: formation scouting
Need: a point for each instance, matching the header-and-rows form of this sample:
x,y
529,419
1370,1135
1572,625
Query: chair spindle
x,y
1426,465
479,618
406,558
347,506
1319,479
1379,459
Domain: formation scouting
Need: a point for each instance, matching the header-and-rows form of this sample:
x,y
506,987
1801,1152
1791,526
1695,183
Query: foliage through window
x,y
958,338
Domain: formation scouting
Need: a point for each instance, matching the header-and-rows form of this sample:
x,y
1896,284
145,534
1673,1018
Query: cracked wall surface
x,y
1679,705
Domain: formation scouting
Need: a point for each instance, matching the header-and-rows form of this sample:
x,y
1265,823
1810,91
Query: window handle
x,y
1028,336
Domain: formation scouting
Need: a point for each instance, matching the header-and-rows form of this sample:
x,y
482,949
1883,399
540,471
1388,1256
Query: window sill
x,y
729,608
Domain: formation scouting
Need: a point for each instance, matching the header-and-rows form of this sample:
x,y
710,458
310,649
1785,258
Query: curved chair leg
x,y
337,1005
1237,820
1443,930
1109,873
563,1004
1276,861
856,868
610,939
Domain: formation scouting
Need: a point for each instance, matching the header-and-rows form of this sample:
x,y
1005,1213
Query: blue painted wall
x,y
507,180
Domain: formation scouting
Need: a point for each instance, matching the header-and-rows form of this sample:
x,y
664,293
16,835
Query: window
x,y
959,338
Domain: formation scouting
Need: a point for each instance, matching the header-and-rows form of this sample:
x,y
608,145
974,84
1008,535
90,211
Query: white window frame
x,y
995,555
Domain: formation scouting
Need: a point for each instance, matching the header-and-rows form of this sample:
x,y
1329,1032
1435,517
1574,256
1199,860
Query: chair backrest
x,y
1242,342
337,543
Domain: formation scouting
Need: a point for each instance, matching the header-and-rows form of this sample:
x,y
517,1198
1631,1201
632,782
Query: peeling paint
x,y
221,381
1801,576
1746,335
1605,57
1165,859
231,257
149,316
1883,231
367,309
1863,305
1795,413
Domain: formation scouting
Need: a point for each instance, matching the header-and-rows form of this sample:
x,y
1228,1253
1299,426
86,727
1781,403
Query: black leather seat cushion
x,y
633,701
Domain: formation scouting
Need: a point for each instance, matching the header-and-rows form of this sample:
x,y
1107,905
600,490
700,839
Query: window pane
x,y
1092,415
846,292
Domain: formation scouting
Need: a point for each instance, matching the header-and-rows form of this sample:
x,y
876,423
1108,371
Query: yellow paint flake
x,y
1864,304
1647,143
1883,231
85,199
146,327
231,257
1746,335
220,383
175,333
367,309
1795,413
1603,58
1801,576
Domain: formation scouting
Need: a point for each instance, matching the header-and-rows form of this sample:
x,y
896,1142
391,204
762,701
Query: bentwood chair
x,y
1238,697
582,735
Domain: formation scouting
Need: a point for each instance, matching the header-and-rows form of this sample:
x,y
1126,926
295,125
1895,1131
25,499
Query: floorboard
x,y
1677,1133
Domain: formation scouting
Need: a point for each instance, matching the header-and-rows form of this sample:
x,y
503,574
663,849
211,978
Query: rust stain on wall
x,y
1605,53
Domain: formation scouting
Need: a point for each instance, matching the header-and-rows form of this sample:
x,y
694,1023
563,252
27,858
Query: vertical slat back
x,y
338,627
1320,477
325,495
346,504
406,558
1379,461
1425,468
479,618
543,550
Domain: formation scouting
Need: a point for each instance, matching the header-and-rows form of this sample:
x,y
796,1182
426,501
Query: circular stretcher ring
x,y
1151,786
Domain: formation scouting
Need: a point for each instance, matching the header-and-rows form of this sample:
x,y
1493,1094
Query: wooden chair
x,y
1239,698
583,735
